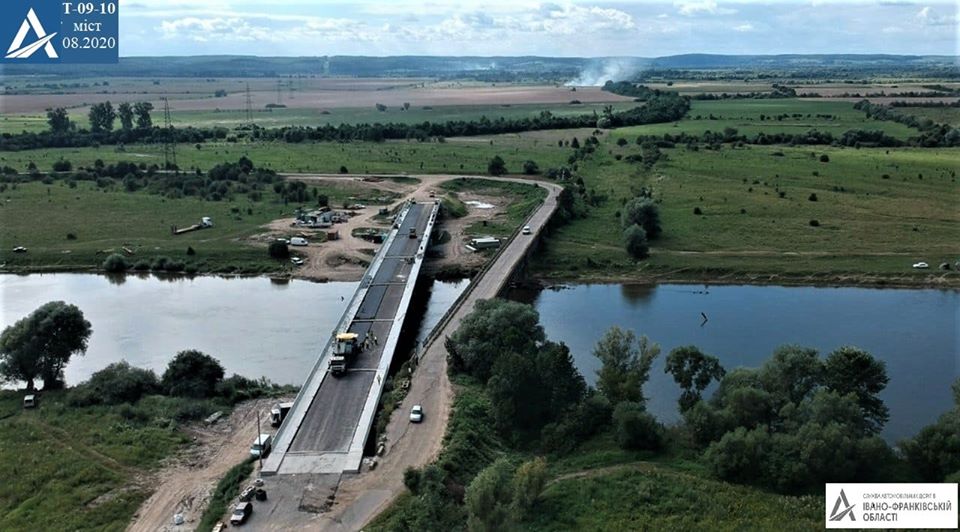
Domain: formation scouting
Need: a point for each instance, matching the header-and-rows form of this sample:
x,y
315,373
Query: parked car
x,y
30,401
921,265
19,249
416,414
241,513
298,241
526,230
261,446
297,261
247,494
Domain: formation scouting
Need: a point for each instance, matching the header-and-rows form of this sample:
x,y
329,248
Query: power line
x,y
249,106
169,144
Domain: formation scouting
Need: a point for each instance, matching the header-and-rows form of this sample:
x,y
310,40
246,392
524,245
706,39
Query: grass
x,y
228,488
40,216
744,116
869,225
396,157
526,198
646,496
75,468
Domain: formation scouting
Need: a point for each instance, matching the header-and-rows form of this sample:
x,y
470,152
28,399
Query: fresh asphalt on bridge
x,y
333,417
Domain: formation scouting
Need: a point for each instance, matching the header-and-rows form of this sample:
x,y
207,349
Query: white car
x,y
921,265
416,414
297,261
526,230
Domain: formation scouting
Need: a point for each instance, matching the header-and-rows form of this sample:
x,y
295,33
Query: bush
x,y
635,242
812,196
141,266
496,166
62,166
190,251
824,158
530,168
120,383
635,429
411,479
814,223
192,374
343,170
159,263
224,493
71,236
698,211
278,250
115,263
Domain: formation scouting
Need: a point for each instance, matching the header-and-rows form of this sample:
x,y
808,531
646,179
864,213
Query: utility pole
x,y
249,106
260,455
169,141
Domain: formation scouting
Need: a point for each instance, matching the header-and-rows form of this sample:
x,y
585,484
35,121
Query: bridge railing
x,y
317,366
474,281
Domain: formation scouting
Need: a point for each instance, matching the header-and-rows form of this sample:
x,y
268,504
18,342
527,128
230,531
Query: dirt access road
x,y
360,498
185,485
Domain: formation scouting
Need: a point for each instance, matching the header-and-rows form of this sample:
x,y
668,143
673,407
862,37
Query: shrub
x,y
141,266
62,166
496,166
814,223
278,250
635,428
192,374
191,251
697,210
635,242
71,236
824,158
115,263
530,168
159,263
343,170
117,383
812,197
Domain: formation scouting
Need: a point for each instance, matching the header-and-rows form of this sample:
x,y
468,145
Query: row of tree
x,y
665,107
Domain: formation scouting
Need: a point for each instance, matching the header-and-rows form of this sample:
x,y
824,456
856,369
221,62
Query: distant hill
x,y
491,68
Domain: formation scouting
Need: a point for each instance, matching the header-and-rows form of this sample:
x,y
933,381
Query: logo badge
x,y
842,508
18,51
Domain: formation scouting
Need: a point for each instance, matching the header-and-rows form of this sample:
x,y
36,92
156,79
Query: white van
x,y
261,446
30,401
298,241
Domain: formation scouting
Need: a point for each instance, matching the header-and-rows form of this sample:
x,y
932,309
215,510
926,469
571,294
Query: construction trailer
x,y
486,242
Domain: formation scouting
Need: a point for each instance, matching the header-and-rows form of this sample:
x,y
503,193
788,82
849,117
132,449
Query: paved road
x,y
362,497
334,413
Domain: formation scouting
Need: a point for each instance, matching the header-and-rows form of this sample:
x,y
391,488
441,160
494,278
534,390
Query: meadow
x,y
747,214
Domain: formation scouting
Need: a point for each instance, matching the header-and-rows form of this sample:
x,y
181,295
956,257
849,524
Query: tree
x,y
850,370
530,168
791,373
278,250
935,452
635,242
125,112
58,119
644,212
495,327
102,116
117,383
40,345
528,483
115,263
488,498
142,112
626,365
693,371
496,166
192,374
636,429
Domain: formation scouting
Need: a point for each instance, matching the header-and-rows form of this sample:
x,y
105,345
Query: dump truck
x,y
345,347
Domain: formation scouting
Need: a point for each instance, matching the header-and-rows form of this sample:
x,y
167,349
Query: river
x,y
254,326
915,332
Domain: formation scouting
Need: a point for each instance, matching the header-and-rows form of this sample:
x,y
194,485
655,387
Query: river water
x,y
914,331
254,326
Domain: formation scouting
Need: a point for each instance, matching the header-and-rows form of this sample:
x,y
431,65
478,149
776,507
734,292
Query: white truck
x,y
279,412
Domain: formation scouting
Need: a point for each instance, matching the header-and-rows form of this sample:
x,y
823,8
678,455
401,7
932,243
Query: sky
x,y
517,27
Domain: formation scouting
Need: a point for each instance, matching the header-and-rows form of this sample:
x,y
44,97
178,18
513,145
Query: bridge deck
x,y
328,429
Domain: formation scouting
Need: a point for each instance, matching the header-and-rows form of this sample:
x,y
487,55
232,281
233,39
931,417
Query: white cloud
x,y
705,7
743,28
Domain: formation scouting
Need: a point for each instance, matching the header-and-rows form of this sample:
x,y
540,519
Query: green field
x,y
939,115
39,217
279,117
868,224
72,468
744,116
468,156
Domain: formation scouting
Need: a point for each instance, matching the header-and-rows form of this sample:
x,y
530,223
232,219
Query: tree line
x,y
665,107
932,135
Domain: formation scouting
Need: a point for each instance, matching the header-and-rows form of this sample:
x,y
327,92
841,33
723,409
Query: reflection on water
x,y
914,331
254,326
